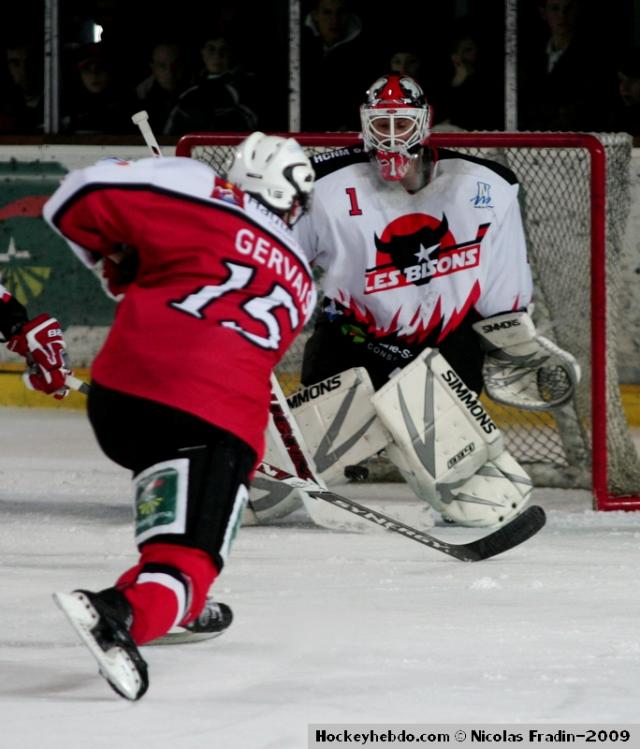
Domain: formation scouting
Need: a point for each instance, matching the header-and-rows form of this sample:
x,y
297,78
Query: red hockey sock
x,y
167,587
155,609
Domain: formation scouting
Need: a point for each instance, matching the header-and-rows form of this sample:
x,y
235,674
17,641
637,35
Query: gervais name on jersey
x,y
281,262
434,260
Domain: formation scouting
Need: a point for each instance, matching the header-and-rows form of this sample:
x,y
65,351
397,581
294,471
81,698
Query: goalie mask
x,y
395,124
276,171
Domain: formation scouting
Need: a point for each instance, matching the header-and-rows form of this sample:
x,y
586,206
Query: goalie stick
x,y
513,533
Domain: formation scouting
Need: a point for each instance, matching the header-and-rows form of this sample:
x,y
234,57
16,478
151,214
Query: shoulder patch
x,y
330,161
227,191
499,169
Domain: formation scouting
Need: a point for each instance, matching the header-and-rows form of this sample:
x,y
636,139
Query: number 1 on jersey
x,y
355,209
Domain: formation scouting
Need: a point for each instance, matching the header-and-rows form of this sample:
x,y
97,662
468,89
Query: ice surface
x,y
330,627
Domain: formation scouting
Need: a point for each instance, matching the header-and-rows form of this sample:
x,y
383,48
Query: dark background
x,y
262,27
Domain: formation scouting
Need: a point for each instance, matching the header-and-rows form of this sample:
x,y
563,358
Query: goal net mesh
x,y
556,201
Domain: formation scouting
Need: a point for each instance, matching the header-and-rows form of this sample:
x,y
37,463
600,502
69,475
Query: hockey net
x,y
575,201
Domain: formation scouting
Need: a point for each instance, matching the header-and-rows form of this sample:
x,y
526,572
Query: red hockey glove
x,y
41,343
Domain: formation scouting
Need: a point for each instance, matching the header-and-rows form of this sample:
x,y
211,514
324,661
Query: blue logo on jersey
x,y
482,198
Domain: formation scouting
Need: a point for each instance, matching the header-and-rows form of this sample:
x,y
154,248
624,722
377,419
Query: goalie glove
x,y
524,369
41,343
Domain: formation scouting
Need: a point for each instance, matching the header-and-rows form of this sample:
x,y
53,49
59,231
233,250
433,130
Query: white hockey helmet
x,y
276,171
395,123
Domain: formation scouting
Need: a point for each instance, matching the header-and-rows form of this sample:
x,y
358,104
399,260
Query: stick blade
x,y
519,530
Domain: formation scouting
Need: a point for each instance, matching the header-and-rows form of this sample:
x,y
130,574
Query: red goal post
x,y
574,201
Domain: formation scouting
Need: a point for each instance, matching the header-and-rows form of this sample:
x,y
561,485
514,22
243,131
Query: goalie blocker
x,y
433,428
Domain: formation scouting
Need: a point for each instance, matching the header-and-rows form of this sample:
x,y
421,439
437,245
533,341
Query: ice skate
x,y
101,620
213,620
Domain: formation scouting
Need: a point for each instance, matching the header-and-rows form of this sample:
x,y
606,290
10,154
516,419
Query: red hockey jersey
x,y
221,289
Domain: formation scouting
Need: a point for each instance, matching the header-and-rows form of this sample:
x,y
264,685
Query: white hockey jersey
x,y
415,265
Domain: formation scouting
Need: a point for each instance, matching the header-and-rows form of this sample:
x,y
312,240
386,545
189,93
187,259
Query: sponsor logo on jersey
x,y
314,391
319,157
416,248
227,191
470,401
482,198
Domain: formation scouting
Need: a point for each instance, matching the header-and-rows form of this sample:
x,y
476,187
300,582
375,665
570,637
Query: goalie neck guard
x,y
395,124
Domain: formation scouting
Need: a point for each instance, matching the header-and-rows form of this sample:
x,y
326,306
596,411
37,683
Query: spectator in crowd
x,y
335,65
225,98
625,111
158,94
563,82
407,62
22,104
473,95
97,104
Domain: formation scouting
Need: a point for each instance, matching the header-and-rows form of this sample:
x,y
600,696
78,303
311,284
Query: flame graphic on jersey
x,y
444,319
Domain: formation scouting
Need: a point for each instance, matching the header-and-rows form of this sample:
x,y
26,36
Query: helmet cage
x,y
385,128
395,123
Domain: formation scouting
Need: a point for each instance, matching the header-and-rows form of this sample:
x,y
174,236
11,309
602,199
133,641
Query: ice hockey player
x,y
426,288
214,288
39,341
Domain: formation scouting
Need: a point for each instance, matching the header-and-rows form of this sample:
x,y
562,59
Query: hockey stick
x,y
141,119
302,465
76,384
515,532
504,538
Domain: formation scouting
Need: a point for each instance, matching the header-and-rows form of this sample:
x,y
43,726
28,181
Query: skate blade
x,y
180,636
114,664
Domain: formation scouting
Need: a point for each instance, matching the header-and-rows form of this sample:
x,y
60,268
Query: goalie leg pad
x,y
442,439
271,500
337,425
492,496
338,422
